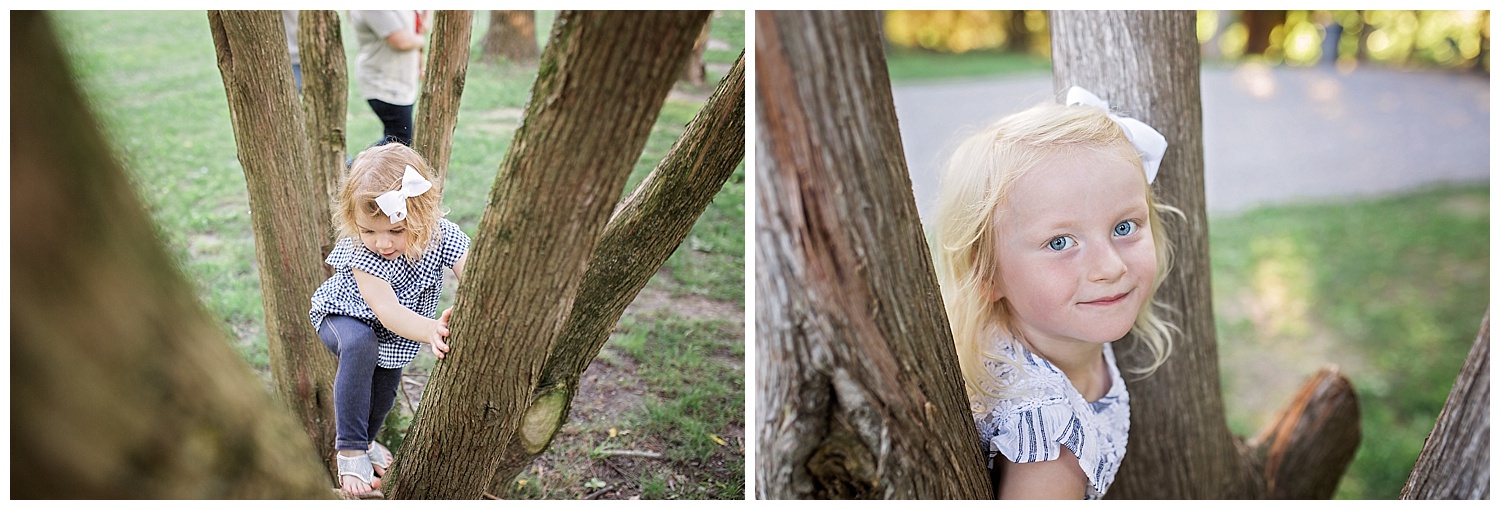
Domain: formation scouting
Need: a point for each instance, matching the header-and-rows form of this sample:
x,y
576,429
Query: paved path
x,y
1270,134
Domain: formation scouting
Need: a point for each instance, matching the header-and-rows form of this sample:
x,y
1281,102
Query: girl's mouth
x,y
1106,301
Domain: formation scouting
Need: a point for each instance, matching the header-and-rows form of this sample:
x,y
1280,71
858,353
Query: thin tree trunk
x,y
511,36
1259,25
600,86
442,87
123,385
285,209
642,234
693,71
858,388
325,105
1145,63
1455,460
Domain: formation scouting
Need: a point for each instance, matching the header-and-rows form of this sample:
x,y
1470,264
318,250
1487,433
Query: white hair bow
x,y
393,203
1148,143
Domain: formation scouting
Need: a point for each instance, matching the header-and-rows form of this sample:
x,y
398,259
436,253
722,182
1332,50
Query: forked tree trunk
x,y
325,105
1145,63
511,36
123,385
286,209
442,87
1455,460
641,235
858,388
599,89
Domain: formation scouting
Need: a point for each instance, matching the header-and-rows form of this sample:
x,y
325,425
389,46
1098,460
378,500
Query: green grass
x,y
666,349
1391,289
913,65
152,79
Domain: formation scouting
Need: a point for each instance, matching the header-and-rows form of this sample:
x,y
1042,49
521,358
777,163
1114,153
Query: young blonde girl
x,y
380,304
1051,247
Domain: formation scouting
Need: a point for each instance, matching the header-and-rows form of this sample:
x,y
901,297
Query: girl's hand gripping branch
x,y
400,319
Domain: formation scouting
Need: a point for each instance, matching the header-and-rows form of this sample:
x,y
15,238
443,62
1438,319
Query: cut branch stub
x,y
1309,445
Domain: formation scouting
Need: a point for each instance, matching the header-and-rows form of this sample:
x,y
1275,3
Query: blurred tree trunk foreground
x,y
124,386
856,374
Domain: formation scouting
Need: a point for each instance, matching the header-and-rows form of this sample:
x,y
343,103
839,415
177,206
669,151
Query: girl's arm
x,y
397,318
1060,478
458,267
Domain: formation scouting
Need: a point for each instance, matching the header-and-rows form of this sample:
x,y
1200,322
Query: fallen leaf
x,y
717,440
613,432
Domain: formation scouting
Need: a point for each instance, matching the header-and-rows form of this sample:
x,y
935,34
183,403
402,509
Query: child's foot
x,y
356,475
380,458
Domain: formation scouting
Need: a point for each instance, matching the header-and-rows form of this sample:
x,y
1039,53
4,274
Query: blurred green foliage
x,y
1454,39
1391,290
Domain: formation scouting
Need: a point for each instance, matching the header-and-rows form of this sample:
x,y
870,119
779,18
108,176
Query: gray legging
x,y
363,392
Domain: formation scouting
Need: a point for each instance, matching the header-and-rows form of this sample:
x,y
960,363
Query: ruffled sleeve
x,y
347,254
1038,434
455,242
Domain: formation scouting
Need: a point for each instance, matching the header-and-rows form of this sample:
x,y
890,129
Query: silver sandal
x,y
358,467
379,451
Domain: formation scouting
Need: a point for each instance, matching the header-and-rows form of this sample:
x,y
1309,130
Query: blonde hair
x,y
978,180
377,170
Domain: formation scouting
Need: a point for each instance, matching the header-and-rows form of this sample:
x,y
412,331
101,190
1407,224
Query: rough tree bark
x,y
442,87
511,36
285,209
1455,460
123,385
550,202
857,379
1145,63
643,232
325,105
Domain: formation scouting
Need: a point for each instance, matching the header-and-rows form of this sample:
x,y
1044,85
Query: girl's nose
x,y
1106,266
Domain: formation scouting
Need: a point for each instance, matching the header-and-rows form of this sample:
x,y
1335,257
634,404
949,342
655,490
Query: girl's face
x,y
1075,250
381,236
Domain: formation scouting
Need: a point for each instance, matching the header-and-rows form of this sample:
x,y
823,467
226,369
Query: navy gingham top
x,y
417,283
1051,414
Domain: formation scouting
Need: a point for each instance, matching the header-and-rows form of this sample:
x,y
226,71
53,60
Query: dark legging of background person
x,y
397,120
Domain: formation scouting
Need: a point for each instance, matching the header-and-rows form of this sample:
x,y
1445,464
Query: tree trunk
x,y
285,210
1455,460
1258,25
511,36
643,233
599,89
693,71
1145,63
858,387
325,105
442,87
1019,37
123,385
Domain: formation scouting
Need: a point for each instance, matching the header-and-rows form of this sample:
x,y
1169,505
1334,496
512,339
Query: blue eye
x,y
1061,243
1126,228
